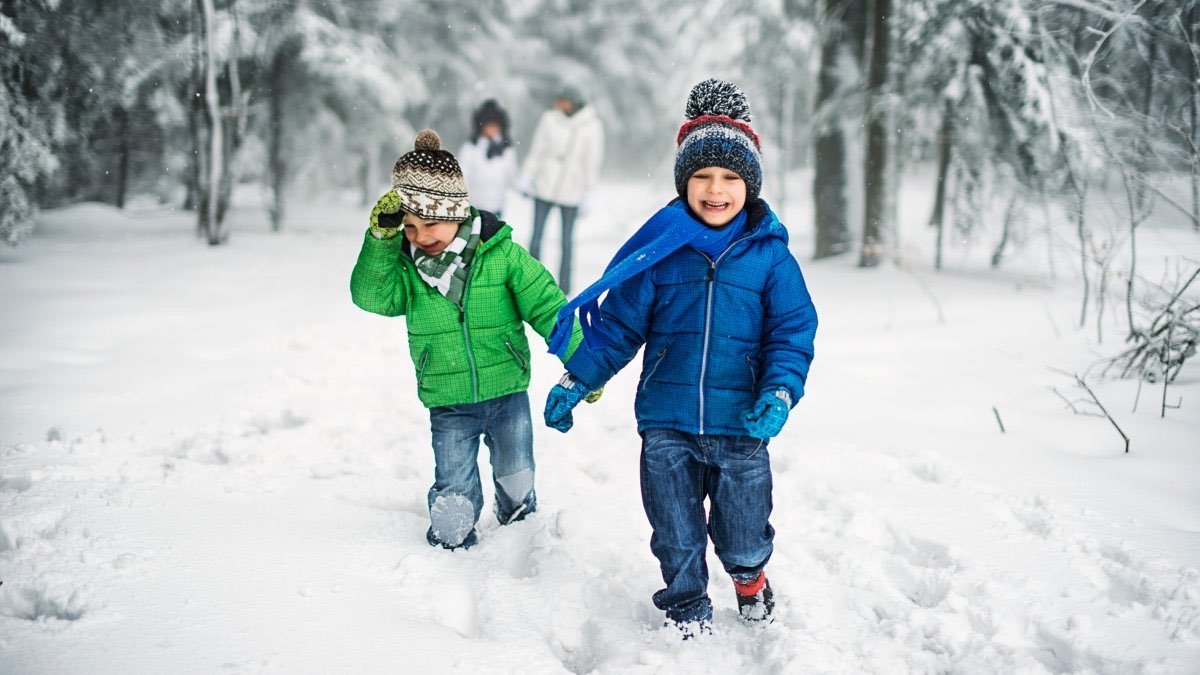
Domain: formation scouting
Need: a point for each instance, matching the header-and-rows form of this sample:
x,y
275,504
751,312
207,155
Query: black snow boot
x,y
756,601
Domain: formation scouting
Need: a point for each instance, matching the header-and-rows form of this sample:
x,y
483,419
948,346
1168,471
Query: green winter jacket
x,y
475,354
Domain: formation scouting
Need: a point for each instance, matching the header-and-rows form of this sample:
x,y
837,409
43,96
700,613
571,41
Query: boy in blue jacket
x,y
709,286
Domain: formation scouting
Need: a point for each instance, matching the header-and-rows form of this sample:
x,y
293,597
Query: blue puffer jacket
x,y
717,332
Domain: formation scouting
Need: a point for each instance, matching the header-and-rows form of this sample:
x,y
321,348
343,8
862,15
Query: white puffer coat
x,y
487,179
565,158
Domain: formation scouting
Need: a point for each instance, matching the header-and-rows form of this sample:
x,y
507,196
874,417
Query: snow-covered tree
x,y
26,154
978,85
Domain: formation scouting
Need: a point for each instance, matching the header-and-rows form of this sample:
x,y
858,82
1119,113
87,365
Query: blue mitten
x,y
770,411
561,400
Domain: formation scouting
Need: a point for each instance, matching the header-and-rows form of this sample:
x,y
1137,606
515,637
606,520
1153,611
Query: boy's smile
x,y
716,195
431,236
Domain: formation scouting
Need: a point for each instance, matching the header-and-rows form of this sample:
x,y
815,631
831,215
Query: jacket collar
x,y
763,222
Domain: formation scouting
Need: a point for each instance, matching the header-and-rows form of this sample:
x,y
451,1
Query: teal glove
x,y
561,400
766,419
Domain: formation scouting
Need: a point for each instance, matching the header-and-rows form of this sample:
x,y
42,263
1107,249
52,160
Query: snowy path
x,y
254,501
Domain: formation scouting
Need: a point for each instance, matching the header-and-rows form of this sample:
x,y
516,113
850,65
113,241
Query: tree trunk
x,y
1136,191
1010,214
829,166
276,163
1084,245
877,138
195,199
937,219
1194,101
216,138
234,119
123,160
364,178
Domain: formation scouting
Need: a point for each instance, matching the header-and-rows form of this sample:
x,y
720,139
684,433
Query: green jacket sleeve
x,y
538,297
378,283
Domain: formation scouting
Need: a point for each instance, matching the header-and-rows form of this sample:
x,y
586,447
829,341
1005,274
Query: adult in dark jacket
x,y
709,286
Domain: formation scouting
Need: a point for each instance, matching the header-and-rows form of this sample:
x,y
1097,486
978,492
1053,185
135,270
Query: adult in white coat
x,y
563,169
488,160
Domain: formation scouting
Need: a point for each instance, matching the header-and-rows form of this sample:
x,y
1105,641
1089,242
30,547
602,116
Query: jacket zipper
x,y
710,279
462,320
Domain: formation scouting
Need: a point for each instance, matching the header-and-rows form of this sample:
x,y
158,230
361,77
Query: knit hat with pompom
x,y
717,133
430,182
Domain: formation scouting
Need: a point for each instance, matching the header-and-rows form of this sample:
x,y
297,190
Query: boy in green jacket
x,y
467,289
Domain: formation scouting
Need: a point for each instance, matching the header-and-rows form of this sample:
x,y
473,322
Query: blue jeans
x,y
541,209
456,498
678,471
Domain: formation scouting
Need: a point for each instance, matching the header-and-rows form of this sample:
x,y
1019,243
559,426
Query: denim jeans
x,y
678,471
541,209
456,498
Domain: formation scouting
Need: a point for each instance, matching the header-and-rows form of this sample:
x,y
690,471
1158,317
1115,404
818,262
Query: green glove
x,y
385,216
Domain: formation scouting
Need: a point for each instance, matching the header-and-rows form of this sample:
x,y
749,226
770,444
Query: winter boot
x,y
689,630
467,542
756,602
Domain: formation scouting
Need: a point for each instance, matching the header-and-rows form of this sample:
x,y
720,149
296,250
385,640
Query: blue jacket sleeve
x,y
789,328
626,313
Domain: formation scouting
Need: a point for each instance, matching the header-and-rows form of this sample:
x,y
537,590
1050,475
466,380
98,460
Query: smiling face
x,y
431,236
715,194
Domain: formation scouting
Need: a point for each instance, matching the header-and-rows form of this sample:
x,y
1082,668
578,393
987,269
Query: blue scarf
x,y
672,228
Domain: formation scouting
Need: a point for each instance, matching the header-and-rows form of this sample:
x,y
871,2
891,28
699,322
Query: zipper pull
x,y
712,271
462,315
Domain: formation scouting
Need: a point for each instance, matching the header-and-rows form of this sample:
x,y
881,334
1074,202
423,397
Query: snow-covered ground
x,y
211,461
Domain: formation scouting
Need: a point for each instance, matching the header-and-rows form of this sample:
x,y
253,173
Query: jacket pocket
x,y
662,354
516,354
753,371
424,360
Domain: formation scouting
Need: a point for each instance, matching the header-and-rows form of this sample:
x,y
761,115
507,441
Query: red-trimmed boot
x,y
756,602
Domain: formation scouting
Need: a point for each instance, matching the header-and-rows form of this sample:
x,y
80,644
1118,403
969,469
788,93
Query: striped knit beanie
x,y
430,182
717,133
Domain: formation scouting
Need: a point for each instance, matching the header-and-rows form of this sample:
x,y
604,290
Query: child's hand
x,y
385,224
561,400
766,419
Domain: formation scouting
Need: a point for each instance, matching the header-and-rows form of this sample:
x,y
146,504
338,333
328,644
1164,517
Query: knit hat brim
x,y
428,204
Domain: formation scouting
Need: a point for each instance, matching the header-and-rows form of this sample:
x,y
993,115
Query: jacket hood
x,y
763,221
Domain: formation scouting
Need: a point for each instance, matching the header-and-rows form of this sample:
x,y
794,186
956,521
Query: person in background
x,y
562,169
488,160
711,290
467,290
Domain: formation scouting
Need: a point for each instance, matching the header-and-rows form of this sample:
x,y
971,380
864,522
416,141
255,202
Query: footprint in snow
x,y
453,603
